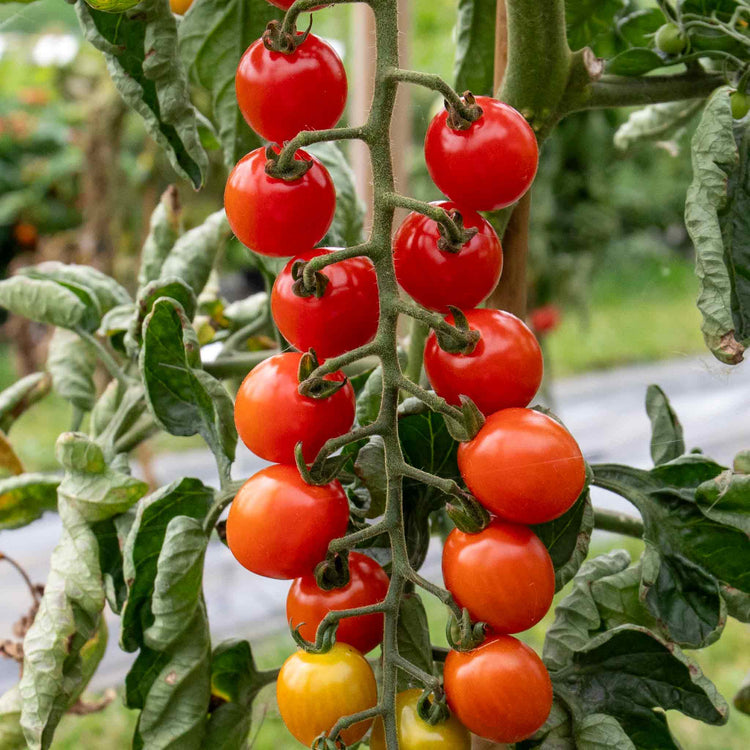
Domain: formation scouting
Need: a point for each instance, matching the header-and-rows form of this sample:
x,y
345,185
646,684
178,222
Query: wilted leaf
x,y
45,302
165,227
24,498
657,122
17,398
667,442
11,734
474,66
10,464
72,362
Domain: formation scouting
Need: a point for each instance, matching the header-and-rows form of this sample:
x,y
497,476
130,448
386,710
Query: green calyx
x,y
432,708
459,338
453,244
463,117
333,572
467,514
301,289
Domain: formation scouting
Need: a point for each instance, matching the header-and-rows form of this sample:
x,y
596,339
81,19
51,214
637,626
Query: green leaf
x,y
111,535
228,727
368,400
586,20
183,400
115,325
738,603
24,393
11,734
657,122
25,498
636,61
140,46
726,499
72,362
213,37
45,302
474,66
716,216
178,582
369,467
165,226
601,732
413,638
667,442
638,28
185,497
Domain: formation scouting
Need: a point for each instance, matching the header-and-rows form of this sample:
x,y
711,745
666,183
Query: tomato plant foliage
x,y
616,654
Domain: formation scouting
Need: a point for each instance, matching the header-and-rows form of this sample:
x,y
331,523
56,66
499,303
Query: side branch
x,y
435,402
308,137
434,83
305,6
455,234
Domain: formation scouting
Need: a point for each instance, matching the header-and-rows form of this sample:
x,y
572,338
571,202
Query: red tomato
x,y
275,217
503,575
280,527
272,417
283,4
437,278
523,466
345,317
489,165
501,690
545,319
504,370
281,94
307,605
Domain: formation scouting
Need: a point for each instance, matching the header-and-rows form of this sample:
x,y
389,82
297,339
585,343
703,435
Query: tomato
x,y
523,466
437,278
180,7
272,417
503,575
280,527
670,39
307,605
545,319
281,94
504,370
345,317
315,690
416,734
489,165
501,690
739,101
283,4
275,217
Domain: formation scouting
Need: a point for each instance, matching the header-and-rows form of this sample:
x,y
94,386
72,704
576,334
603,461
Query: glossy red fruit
x,y
345,317
281,94
272,417
437,278
307,605
500,691
280,527
272,216
503,575
504,370
489,165
545,319
523,466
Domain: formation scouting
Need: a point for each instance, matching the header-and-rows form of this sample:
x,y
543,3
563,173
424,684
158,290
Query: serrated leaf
x,y
72,362
638,28
43,302
636,61
413,638
657,122
165,226
667,442
140,47
24,393
25,498
588,19
474,65
212,38
717,216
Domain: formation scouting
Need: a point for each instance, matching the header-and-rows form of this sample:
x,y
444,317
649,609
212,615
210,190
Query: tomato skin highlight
x,y
307,605
280,527
504,370
416,734
523,466
500,691
503,575
282,94
272,417
344,318
315,690
274,217
437,278
489,165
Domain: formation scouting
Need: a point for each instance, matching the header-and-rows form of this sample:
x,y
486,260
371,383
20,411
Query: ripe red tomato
x,y
437,278
315,690
275,217
503,575
281,94
345,317
489,165
280,527
504,370
523,466
501,690
283,4
307,605
272,417
545,319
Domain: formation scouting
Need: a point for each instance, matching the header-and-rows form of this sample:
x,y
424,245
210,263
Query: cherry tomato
x,y
275,217
281,94
180,7
504,370
545,319
416,734
739,101
280,527
523,466
489,165
501,690
345,317
283,4
315,690
272,417
307,605
503,575
670,39
437,278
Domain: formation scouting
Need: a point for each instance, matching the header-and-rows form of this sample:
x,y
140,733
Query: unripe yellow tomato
x,y
180,7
